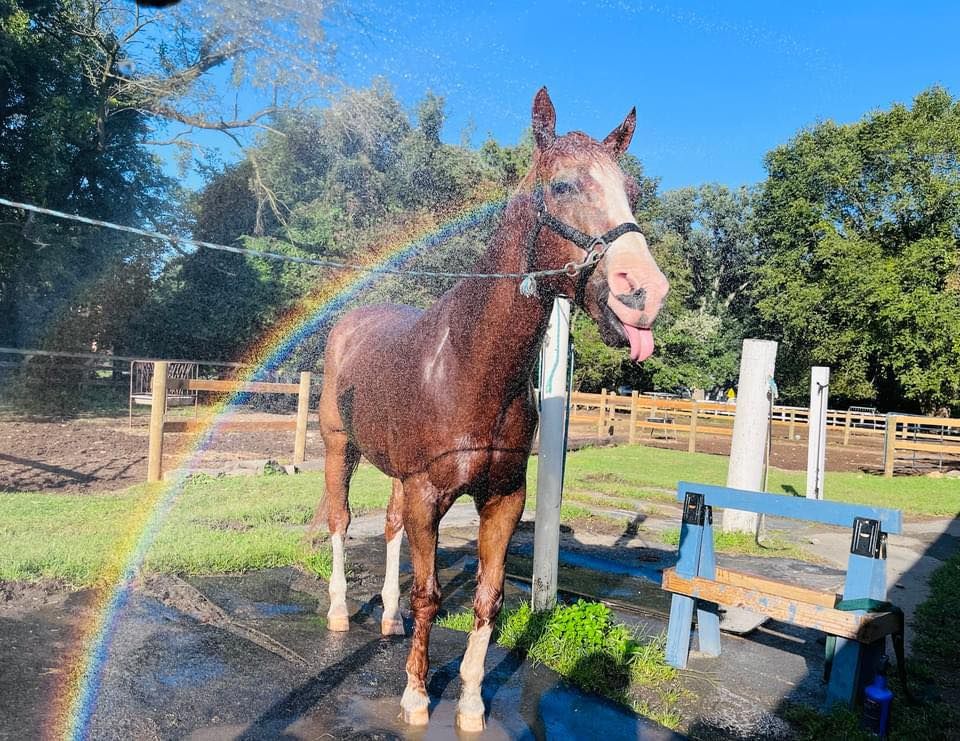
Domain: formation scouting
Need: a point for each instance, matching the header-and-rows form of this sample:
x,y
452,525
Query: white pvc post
x,y
750,428
553,410
817,430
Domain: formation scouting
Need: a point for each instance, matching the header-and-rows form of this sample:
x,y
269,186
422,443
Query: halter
x,y
595,247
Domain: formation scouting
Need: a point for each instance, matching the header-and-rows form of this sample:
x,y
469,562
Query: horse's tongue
x,y
641,342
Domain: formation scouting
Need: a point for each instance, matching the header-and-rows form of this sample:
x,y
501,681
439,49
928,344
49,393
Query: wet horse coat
x,y
442,400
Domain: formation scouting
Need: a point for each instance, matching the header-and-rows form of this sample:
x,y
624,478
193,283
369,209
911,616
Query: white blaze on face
x,y
629,265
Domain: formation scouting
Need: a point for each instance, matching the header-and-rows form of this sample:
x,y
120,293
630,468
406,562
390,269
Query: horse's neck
x,y
501,329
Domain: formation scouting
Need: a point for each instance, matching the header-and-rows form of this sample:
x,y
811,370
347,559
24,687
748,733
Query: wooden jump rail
x,y
697,582
160,425
899,437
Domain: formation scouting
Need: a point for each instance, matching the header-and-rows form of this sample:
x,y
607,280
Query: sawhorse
x,y
696,582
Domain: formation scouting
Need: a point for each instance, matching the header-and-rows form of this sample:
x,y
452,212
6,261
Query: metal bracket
x,y
694,508
868,539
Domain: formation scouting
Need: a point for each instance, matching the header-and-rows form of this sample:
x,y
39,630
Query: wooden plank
x,y
157,411
946,447
889,448
197,425
303,409
778,588
231,387
825,619
798,508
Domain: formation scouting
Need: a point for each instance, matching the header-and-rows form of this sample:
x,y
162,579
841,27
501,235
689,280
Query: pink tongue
x,y
641,342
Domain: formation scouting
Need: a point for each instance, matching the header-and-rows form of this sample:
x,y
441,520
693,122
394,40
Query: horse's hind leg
x,y
392,623
342,458
498,519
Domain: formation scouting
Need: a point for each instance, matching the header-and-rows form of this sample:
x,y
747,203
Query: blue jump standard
x,y
854,663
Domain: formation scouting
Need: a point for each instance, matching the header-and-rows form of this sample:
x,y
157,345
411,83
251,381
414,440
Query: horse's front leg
x,y
498,519
422,510
392,622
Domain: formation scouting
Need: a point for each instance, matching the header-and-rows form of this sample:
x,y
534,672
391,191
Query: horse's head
x,y
583,201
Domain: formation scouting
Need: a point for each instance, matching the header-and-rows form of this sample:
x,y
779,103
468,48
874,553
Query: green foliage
x,y
67,286
585,644
773,545
859,224
217,525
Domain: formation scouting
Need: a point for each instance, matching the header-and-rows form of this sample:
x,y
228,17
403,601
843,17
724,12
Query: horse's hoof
x,y
338,623
392,627
415,717
471,723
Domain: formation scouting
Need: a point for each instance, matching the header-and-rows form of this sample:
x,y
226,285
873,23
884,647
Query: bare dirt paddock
x,y
105,453
99,454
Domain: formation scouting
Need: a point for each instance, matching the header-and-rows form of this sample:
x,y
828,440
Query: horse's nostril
x,y
635,300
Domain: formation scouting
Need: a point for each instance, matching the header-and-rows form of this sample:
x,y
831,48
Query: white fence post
x,y
553,408
750,428
817,430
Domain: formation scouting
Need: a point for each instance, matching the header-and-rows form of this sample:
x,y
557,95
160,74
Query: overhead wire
x,y
267,255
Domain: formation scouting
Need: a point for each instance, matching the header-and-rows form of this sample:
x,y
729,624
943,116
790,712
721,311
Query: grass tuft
x,y
583,643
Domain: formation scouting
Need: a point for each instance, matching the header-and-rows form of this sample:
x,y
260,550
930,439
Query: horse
x,y
442,401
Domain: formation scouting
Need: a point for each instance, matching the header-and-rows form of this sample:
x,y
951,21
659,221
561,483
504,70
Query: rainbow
x,y
72,713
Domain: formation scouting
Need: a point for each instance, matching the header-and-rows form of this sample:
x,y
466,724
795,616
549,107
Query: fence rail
x,y
911,434
633,415
161,384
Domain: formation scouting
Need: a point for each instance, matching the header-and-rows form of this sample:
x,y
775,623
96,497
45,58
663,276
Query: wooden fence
x,y
668,418
928,436
160,425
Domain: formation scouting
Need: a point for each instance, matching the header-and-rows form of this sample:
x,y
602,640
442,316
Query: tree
x,y
861,225
64,284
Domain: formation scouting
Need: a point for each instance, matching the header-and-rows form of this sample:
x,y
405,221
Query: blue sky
x,y
716,85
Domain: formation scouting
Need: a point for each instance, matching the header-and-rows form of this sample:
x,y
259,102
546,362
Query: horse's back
x,y
362,333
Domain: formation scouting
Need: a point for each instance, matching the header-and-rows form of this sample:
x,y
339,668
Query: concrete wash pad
x,y
249,657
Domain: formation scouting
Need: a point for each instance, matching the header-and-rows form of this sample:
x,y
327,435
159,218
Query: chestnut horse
x,y
442,400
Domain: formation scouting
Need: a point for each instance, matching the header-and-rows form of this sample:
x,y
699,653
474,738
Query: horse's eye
x,y
561,187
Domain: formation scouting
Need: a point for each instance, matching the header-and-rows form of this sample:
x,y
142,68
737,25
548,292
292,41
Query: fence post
x,y
303,410
817,430
158,407
890,444
692,444
633,417
793,424
553,415
602,418
846,429
750,428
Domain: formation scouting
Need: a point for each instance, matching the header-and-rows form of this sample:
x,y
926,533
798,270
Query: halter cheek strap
x,y
595,247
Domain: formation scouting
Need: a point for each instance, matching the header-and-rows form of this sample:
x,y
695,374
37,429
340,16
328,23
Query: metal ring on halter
x,y
597,250
572,269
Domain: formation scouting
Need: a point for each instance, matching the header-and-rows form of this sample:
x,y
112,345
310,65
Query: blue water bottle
x,y
876,703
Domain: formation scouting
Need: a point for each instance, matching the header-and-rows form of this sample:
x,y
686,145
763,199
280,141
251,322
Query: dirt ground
x,y
78,455
97,454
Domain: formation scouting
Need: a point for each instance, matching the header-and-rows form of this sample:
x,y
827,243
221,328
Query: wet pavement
x,y
172,676
249,657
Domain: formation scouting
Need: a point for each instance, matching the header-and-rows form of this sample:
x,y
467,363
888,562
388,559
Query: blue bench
x,y
697,583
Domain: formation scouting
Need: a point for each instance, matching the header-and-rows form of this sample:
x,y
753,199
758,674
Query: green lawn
x,y
240,523
636,472
217,525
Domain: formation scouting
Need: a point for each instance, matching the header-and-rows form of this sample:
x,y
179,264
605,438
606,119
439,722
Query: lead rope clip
x,y
528,287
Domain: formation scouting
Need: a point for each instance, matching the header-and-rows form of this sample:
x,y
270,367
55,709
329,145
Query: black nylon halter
x,y
595,247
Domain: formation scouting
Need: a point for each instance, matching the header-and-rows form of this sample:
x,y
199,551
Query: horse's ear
x,y
544,119
618,140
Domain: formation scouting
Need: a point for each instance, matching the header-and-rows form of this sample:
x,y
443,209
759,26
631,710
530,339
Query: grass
x,y
636,472
218,525
583,643
240,523
745,544
932,670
